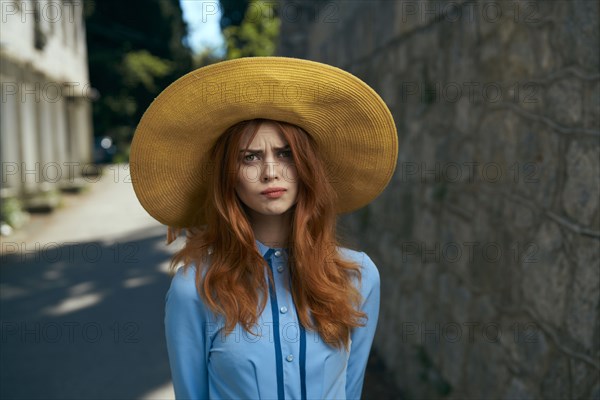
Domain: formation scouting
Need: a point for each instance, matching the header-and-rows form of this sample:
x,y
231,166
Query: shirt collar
x,y
263,248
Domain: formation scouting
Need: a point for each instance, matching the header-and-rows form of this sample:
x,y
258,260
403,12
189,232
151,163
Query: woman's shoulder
x,y
369,271
183,285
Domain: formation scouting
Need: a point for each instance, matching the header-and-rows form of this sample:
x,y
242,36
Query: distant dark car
x,y
104,150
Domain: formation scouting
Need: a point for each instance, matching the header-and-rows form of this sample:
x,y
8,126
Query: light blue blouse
x,y
283,361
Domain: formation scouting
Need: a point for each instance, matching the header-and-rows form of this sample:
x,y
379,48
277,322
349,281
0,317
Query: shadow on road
x,y
85,320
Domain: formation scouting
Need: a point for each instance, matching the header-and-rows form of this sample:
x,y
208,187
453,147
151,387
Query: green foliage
x,y
12,212
120,105
135,50
206,57
141,67
257,34
232,12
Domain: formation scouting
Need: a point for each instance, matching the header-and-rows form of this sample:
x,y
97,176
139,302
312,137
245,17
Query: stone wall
x,y
488,237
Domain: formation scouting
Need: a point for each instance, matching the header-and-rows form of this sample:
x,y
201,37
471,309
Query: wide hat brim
x,y
351,124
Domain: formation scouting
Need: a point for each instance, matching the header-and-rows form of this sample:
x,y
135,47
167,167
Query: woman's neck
x,y
272,230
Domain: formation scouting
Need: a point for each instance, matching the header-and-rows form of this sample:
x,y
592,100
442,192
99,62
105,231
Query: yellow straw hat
x,y
351,124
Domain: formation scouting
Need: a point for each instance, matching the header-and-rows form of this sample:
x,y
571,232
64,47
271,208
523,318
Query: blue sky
x,y
202,17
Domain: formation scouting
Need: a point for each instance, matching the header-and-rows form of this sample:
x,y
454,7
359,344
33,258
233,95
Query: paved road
x,y
82,302
82,306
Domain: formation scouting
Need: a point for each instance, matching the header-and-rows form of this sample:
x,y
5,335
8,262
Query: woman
x,y
254,157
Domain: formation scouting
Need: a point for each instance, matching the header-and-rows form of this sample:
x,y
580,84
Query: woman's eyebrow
x,y
258,151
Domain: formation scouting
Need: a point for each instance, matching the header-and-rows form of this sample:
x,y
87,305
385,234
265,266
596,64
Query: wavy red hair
x,y
231,280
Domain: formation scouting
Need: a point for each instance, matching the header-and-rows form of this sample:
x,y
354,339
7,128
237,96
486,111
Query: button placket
x,y
284,298
279,355
290,345
294,347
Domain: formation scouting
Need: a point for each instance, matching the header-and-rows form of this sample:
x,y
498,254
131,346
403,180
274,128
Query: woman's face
x,y
265,166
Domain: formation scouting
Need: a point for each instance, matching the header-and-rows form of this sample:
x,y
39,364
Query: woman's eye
x,y
286,153
250,157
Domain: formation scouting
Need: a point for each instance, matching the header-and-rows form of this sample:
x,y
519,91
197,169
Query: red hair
x,y
232,269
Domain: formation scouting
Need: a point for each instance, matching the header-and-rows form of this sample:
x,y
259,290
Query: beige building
x,y
46,131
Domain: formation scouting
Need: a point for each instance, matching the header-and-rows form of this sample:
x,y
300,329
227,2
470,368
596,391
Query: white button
x,y
290,358
277,253
283,309
280,268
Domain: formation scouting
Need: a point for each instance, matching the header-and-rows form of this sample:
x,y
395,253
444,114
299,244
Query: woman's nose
x,y
270,167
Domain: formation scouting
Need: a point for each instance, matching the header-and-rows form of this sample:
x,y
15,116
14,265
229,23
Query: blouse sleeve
x,y
185,319
362,337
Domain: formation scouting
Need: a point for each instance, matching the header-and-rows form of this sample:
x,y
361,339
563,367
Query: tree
x,y
232,12
257,33
135,49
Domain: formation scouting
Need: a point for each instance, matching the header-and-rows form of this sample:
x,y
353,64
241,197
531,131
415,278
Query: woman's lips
x,y
273,193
